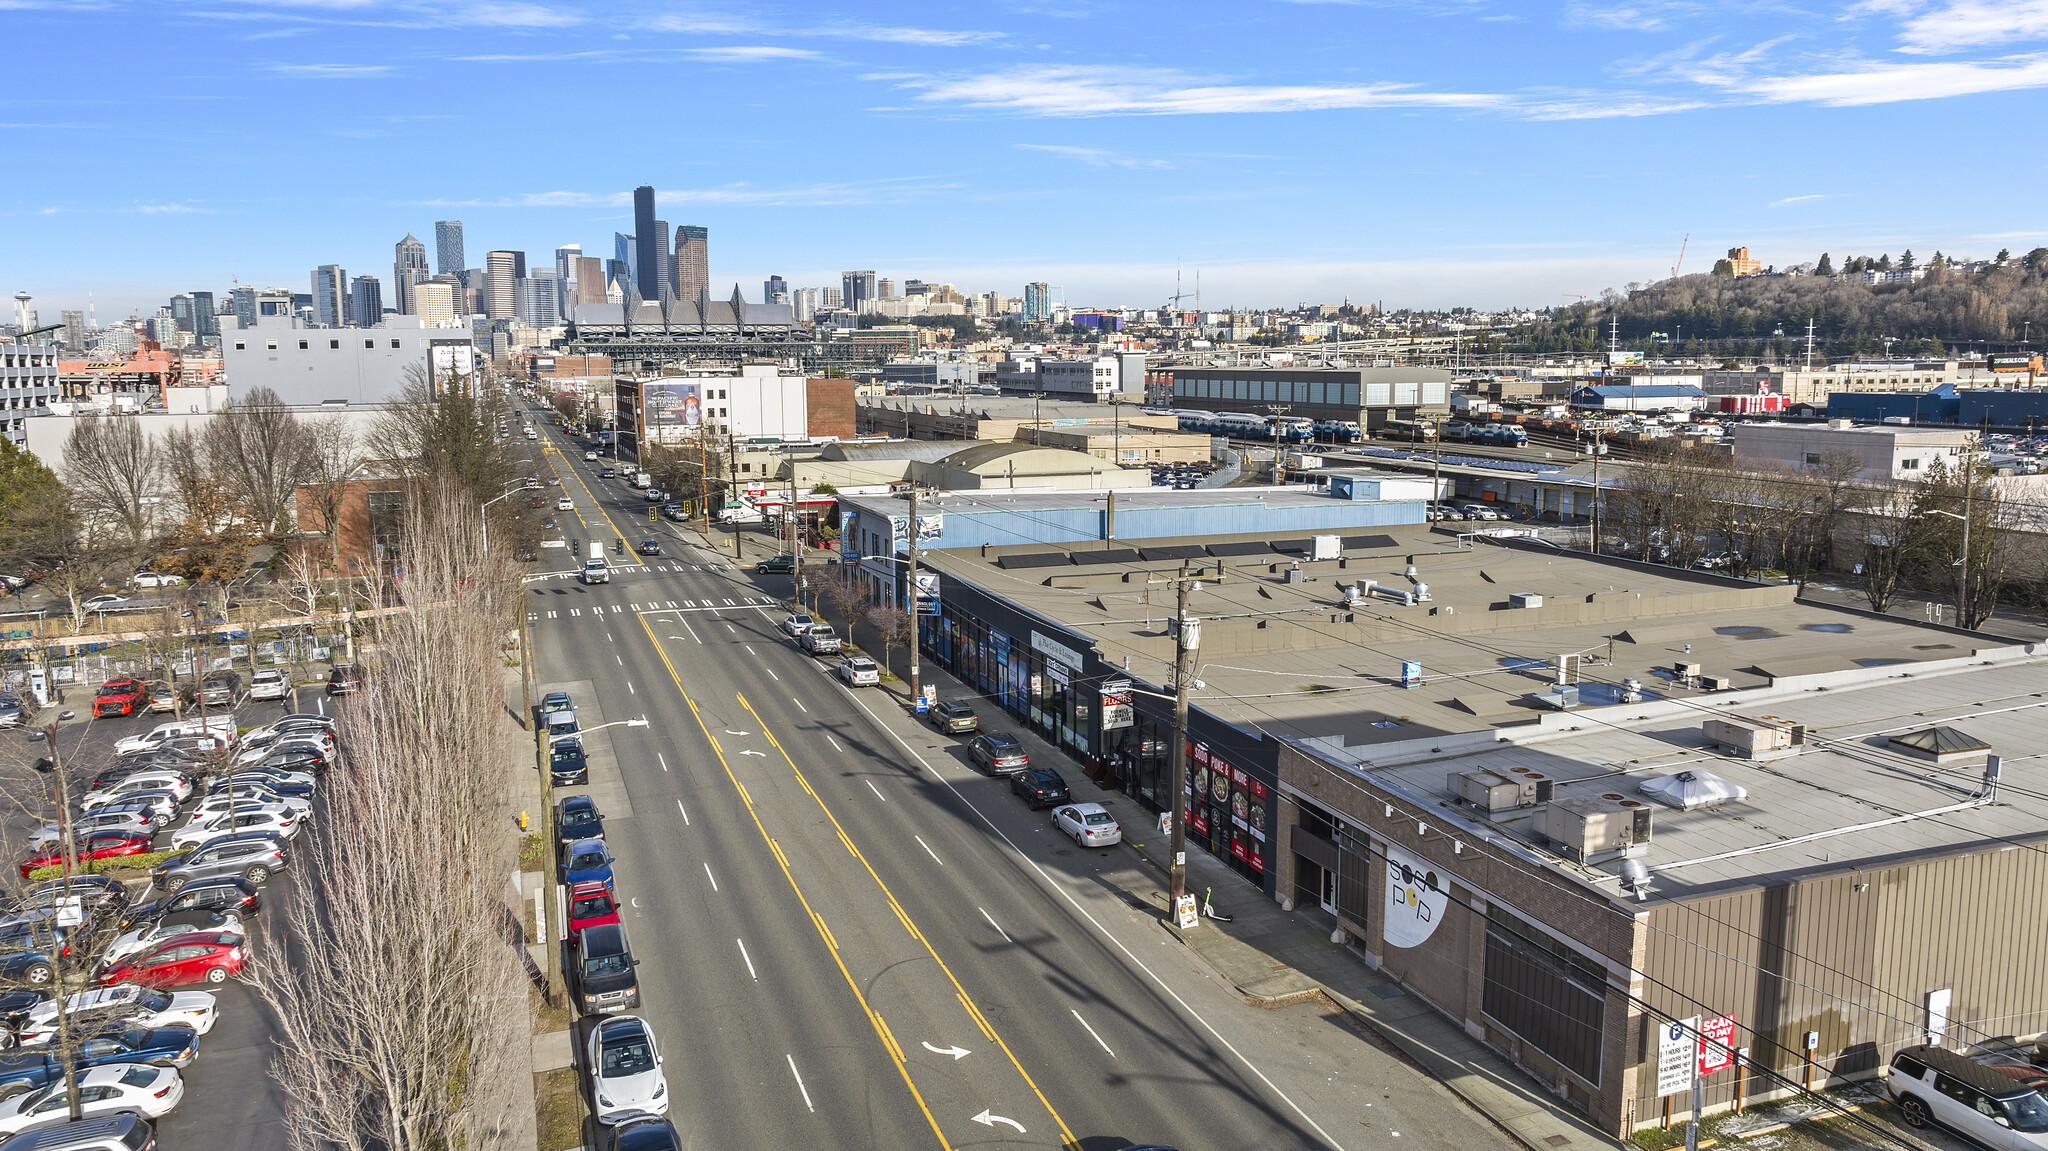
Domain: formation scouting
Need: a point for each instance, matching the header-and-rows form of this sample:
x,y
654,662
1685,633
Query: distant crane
x,y
1682,244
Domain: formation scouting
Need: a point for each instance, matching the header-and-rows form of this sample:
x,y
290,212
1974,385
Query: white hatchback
x,y
151,1092
269,683
625,1069
124,1002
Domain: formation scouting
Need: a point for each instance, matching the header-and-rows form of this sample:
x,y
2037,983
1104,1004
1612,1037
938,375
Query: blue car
x,y
587,861
173,1046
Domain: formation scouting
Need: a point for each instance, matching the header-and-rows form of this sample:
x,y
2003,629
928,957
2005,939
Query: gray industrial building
x,y
357,365
1562,800
1367,396
28,385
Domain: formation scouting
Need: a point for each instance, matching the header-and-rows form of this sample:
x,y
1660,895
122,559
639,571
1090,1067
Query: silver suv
x,y
255,856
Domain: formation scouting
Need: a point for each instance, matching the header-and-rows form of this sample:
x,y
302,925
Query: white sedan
x,y
625,1069
180,923
795,625
282,824
151,1092
107,603
126,1003
1089,824
565,504
157,579
251,799
265,750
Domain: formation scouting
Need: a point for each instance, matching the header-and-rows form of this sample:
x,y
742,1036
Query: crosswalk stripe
x,y
575,611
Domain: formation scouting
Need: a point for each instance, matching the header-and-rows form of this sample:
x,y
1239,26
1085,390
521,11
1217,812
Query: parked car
x,y
108,1043
11,710
101,604
24,965
209,956
1089,824
157,579
562,725
858,671
794,625
269,683
253,856
1935,1086
605,980
553,702
625,1069
127,819
217,724
119,697
567,765
577,818
591,904
124,1003
222,893
120,1131
150,779
220,688
98,845
274,820
1040,787
343,679
636,1133
952,717
819,640
99,894
14,1011
586,860
776,565
999,752
133,1088
147,935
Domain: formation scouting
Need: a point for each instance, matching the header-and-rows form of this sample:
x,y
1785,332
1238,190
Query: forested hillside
x,y
1950,310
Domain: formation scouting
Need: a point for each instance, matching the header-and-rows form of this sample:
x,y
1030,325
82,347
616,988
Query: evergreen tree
x,y
1826,267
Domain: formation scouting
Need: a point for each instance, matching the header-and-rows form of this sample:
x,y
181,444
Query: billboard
x,y
671,406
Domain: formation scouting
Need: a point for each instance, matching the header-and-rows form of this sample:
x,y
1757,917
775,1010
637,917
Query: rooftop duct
x,y
1692,790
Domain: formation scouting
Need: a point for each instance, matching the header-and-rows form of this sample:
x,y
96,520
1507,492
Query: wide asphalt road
x,y
849,938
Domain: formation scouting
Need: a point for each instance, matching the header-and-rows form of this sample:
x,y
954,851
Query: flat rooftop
x,y
1282,655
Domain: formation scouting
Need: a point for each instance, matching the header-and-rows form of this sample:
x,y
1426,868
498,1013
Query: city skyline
x,y
1484,155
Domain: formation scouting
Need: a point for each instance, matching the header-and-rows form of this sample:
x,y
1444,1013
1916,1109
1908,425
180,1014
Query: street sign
x,y
1676,1053
1717,1040
918,703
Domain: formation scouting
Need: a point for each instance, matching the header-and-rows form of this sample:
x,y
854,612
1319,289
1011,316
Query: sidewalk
x,y
524,794
1272,956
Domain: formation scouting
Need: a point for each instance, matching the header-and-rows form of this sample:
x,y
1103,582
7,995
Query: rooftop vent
x,y
1524,599
1940,744
1692,790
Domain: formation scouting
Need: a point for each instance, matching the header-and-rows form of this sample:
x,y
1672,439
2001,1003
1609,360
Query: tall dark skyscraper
x,y
365,302
205,321
650,244
775,290
665,272
693,262
448,257
408,267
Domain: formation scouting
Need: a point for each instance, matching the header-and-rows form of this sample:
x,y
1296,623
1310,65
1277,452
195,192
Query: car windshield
x,y
2028,1112
584,860
567,753
629,1057
153,1001
140,1076
590,907
113,688
599,966
1097,818
578,817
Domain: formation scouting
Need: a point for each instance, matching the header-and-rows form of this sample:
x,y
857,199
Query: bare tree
x,y
261,448
336,459
1835,477
402,1015
1891,531
440,429
893,626
114,471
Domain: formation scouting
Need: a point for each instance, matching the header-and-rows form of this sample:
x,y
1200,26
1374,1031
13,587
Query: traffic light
x,y
650,513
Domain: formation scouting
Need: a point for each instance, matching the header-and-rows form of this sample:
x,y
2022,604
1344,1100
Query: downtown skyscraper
x,y
693,263
650,244
448,255
408,267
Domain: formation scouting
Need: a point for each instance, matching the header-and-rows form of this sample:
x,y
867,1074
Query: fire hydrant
x,y
522,821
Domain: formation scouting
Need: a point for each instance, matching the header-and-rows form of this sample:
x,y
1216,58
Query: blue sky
x,y
1427,153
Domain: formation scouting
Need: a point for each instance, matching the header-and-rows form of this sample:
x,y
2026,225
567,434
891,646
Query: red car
x,y
119,697
100,845
209,956
589,905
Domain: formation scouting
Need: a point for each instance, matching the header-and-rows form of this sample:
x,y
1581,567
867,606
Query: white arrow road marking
x,y
807,1094
1091,1031
751,751
730,731
988,1120
958,1053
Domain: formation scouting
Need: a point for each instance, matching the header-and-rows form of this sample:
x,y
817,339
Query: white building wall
x,y
317,365
28,385
1886,453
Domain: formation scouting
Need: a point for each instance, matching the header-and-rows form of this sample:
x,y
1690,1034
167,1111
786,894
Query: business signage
x,y
1116,705
927,593
1055,651
1416,899
671,405
1717,1044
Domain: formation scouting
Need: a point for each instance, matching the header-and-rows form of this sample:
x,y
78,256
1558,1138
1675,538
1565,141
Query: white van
x,y
1998,1106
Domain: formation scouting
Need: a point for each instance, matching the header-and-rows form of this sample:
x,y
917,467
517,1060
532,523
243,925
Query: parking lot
x,y
231,1102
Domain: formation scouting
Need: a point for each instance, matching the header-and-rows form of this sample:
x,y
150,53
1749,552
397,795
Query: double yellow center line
x,y
889,1044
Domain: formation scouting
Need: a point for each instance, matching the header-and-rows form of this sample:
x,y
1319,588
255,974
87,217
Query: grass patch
x,y
533,852
546,1018
558,1108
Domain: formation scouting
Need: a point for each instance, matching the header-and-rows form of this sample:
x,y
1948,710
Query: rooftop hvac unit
x,y
1763,738
1326,547
1495,791
1597,828
1524,599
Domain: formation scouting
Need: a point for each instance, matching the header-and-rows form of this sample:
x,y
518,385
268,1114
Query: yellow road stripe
x,y
550,448
874,1019
965,999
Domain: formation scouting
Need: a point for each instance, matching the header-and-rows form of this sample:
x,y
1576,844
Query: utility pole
x,y
1596,447
1436,463
1963,561
732,487
69,843
796,547
910,596
1187,635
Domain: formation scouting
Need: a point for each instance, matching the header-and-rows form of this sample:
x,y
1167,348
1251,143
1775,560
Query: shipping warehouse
x,y
1563,800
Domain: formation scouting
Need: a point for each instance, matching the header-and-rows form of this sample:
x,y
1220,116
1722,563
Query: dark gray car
x,y
605,980
252,855
220,688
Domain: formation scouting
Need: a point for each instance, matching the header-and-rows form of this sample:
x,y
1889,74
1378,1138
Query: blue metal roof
x,y
1651,391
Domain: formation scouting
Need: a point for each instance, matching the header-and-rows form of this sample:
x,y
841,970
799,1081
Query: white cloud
x,y
1864,82
1058,90
168,209
931,37
331,71
1974,24
1095,157
749,53
503,14
1804,199
719,23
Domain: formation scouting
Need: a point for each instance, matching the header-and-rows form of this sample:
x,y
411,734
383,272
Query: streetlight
x,y
485,520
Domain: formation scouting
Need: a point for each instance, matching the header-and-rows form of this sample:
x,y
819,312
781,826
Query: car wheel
x,y
38,975
256,874
216,975
174,883
1915,1112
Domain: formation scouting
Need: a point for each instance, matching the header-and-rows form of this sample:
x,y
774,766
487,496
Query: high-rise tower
x,y
408,267
693,263
649,244
448,255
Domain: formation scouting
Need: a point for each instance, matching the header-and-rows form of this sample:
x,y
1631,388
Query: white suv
x,y
269,683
